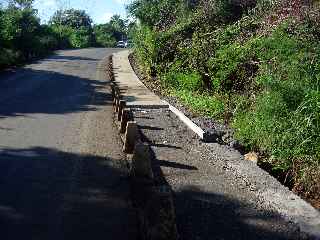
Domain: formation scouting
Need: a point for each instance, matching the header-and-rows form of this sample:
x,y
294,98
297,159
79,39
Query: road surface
x,y
62,174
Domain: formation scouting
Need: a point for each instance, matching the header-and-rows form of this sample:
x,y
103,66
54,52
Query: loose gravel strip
x,y
211,201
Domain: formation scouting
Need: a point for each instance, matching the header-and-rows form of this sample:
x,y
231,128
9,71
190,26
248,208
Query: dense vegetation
x,y
252,64
115,30
23,37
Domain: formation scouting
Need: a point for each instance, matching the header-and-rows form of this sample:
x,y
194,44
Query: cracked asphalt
x,y
62,172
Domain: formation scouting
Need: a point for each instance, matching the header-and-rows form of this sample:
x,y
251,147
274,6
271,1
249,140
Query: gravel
x,y
212,201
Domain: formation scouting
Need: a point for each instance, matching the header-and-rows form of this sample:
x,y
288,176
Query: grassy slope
x,y
259,73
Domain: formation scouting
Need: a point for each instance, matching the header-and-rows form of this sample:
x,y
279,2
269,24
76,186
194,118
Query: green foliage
x,y
284,120
21,34
146,48
73,28
154,12
8,57
104,35
264,78
109,33
183,81
204,104
81,38
118,27
22,37
73,18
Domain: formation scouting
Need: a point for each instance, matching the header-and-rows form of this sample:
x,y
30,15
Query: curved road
x,y
62,174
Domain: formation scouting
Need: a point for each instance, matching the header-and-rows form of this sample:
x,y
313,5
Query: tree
x,y
73,28
20,4
115,30
71,17
19,26
105,36
119,27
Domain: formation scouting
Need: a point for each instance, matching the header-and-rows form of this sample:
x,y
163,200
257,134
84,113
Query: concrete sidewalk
x,y
132,89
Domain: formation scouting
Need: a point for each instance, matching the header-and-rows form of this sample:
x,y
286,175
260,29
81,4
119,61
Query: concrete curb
x,y
289,205
191,125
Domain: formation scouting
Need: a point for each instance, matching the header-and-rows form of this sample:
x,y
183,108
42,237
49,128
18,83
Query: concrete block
x,y
125,118
122,105
118,97
141,161
131,136
112,90
116,104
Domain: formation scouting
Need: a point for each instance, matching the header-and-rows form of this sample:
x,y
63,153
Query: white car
x,y
121,44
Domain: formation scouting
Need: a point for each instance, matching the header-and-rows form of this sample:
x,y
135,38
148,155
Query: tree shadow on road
x,y
50,194
30,91
60,58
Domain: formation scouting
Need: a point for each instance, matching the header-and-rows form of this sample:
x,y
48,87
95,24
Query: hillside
x,y
252,64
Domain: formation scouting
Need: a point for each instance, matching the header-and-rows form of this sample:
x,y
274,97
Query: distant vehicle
x,y
121,44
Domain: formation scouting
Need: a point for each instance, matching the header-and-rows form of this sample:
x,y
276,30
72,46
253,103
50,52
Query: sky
x,y
100,10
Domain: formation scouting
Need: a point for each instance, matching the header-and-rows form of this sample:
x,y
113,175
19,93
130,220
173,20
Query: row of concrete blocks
x,y
150,200
132,144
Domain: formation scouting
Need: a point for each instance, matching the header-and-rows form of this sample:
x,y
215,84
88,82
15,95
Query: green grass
x,y
203,104
269,82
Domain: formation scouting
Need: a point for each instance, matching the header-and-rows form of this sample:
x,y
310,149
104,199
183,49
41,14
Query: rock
x,y
213,135
141,162
237,145
252,157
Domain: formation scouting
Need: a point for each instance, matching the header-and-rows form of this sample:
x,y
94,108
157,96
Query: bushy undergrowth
x,y
201,103
259,69
284,118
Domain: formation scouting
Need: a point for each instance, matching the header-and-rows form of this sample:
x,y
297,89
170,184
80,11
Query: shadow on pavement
x,y
30,91
61,58
176,165
207,215
49,194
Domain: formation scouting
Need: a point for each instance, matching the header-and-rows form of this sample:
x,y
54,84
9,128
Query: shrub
x,y
146,48
284,120
80,38
183,81
8,57
201,103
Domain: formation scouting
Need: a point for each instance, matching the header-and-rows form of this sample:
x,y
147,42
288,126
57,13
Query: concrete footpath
x,y
216,194
133,91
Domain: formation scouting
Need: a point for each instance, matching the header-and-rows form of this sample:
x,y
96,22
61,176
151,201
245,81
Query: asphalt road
x,y
62,174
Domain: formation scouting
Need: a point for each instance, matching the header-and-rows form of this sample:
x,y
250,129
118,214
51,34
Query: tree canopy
x,y
23,37
71,17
